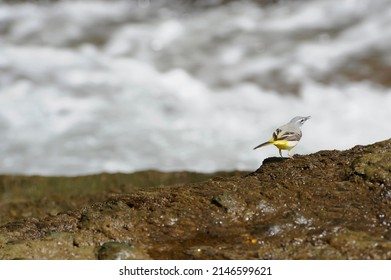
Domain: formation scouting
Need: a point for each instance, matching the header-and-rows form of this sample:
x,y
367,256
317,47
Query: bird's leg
x,y
289,153
279,150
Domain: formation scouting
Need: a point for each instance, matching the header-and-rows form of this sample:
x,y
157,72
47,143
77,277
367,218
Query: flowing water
x,y
108,86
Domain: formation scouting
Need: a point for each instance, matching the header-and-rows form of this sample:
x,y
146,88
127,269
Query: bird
x,y
287,136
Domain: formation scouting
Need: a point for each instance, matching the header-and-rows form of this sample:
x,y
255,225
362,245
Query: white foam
x,y
129,88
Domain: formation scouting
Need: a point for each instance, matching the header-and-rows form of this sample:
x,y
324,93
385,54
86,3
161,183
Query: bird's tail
x,y
263,144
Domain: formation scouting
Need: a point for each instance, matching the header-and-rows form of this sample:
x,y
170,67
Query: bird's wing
x,y
287,133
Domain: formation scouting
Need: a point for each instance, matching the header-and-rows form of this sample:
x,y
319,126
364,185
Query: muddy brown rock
x,y
327,205
121,251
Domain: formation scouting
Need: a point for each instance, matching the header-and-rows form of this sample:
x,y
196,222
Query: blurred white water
x,y
92,86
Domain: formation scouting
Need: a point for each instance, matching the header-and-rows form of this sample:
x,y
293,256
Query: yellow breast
x,y
284,144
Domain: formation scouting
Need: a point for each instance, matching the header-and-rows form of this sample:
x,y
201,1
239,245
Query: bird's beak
x,y
307,118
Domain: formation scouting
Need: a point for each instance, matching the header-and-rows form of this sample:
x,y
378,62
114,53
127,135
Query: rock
x,y
121,251
327,205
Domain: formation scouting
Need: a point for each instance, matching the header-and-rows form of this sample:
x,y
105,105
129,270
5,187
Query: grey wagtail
x,y
286,137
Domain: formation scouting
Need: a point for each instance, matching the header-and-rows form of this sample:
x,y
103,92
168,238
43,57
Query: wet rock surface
x,y
327,205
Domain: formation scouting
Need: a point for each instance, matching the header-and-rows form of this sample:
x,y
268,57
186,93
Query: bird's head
x,y
299,120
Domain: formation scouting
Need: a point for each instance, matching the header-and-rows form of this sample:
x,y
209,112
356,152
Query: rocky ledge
x,y
327,205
